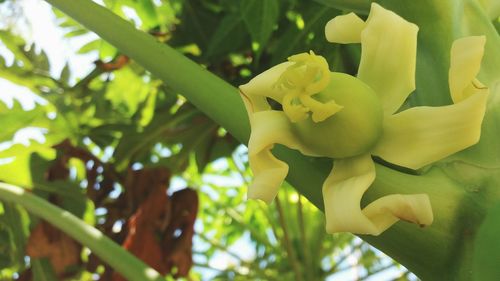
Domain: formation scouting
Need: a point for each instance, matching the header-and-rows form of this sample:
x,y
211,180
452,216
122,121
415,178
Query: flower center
x,y
308,76
337,131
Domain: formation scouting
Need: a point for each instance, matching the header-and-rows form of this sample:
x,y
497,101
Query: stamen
x,y
294,112
308,75
320,111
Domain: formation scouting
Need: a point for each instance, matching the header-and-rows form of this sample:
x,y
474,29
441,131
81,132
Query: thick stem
x,y
122,261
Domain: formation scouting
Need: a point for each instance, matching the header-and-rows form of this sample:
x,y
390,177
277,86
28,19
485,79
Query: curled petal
x,y
268,128
465,62
422,135
342,192
269,173
414,208
388,57
344,29
262,86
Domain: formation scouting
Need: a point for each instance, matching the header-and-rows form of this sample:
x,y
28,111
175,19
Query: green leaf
x,y
39,60
296,40
127,90
16,44
198,24
24,76
147,13
78,31
17,223
260,17
17,172
136,144
17,119
106,51
229,36
89,47
65,74
147,107
487,248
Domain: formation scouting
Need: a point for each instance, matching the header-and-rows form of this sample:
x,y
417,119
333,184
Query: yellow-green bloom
x,y
348,119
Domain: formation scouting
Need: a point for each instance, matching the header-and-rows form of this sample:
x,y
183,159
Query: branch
x,y
219,246
303,238
118,258
286,240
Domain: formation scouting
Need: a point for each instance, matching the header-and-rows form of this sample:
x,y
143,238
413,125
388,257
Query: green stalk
x,y
433,253
118,258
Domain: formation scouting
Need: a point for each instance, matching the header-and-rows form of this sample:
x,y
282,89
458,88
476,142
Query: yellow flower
x,y
348,119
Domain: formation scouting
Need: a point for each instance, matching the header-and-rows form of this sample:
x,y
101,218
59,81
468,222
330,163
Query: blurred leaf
x,y
127,90
197,25
15,44
135,144
147,109
78,31
89,47
231,29
106,50
17,170
65,74
39,60
310,36
260,17
17,224
147,13
25,77
18,118
20,149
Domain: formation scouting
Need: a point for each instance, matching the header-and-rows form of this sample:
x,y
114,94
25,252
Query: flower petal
x,y
344,29
342,192
268,128
388,57
386,211
422,135
263,85
465,62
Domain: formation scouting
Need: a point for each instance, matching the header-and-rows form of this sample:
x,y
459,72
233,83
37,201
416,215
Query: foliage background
x,y
109,137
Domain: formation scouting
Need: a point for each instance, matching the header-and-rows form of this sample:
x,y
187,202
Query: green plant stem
x,y
308,265
122,261
286,241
